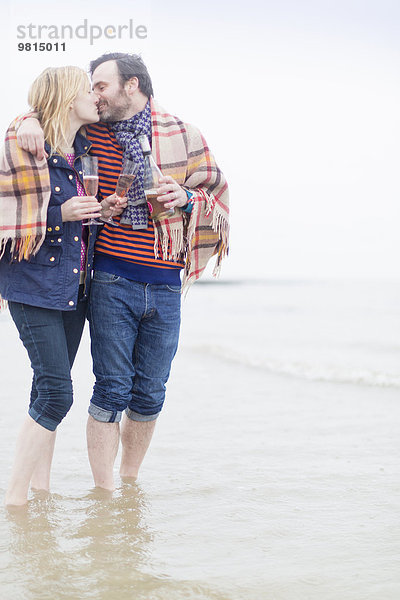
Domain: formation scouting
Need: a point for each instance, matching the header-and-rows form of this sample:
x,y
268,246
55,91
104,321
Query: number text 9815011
x,y
42,47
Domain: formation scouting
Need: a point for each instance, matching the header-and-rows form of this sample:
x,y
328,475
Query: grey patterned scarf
x,y
126,132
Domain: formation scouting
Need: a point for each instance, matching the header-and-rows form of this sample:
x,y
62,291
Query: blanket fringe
x,y
171,239
221,226
210,202
22,248
3,244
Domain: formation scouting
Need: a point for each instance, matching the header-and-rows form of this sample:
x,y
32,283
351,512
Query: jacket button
x,y
52,259
49,229
75,270
59,240
70,177
57,228
55,160
71,302
76,238
52,241
80,172
57,188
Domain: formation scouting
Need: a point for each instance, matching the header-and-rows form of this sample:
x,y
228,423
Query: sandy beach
x,y
258,484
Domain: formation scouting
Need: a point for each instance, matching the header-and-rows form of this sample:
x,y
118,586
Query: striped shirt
x,y
121,250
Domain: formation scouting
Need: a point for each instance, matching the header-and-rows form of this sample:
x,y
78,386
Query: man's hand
x,y
79,208
170,193
112,205
30,138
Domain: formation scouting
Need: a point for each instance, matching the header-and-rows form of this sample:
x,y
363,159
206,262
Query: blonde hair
x,y
50,95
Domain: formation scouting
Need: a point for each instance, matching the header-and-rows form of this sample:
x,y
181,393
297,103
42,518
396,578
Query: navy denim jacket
x,y
50,279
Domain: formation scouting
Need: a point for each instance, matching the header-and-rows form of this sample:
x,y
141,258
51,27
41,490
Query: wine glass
x,y
90,181
126,177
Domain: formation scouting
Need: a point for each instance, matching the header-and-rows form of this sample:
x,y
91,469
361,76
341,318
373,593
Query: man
x,y
135,298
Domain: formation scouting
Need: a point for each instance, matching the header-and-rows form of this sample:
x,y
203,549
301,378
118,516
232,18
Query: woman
x,y
47,289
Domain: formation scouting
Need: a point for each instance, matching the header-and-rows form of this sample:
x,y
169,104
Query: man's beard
x,y
110,114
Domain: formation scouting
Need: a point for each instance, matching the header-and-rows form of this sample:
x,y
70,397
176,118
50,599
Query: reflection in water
x,y
32,546
115,543
94,546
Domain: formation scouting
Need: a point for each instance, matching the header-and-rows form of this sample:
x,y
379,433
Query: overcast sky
x,y
297,99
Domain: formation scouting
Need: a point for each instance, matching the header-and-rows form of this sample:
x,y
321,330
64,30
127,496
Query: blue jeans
x,y
51,338
134,331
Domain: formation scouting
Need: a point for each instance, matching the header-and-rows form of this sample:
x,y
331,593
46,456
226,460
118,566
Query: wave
x,y
303,369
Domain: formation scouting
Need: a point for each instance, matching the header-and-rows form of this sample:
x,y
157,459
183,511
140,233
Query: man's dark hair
x,y
129,65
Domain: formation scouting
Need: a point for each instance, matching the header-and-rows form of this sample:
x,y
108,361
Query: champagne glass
x,y
151,178
126,177
90,181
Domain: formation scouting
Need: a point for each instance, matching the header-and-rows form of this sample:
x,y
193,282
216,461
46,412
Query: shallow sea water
x,y
273,473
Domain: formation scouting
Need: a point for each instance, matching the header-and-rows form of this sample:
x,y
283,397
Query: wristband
x,y
189,205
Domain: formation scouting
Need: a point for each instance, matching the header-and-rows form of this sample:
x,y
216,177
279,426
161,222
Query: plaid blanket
x,y
180,151
24,198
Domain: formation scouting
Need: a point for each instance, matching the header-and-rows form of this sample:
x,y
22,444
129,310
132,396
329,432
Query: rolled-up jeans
x,y
51,338
134,329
